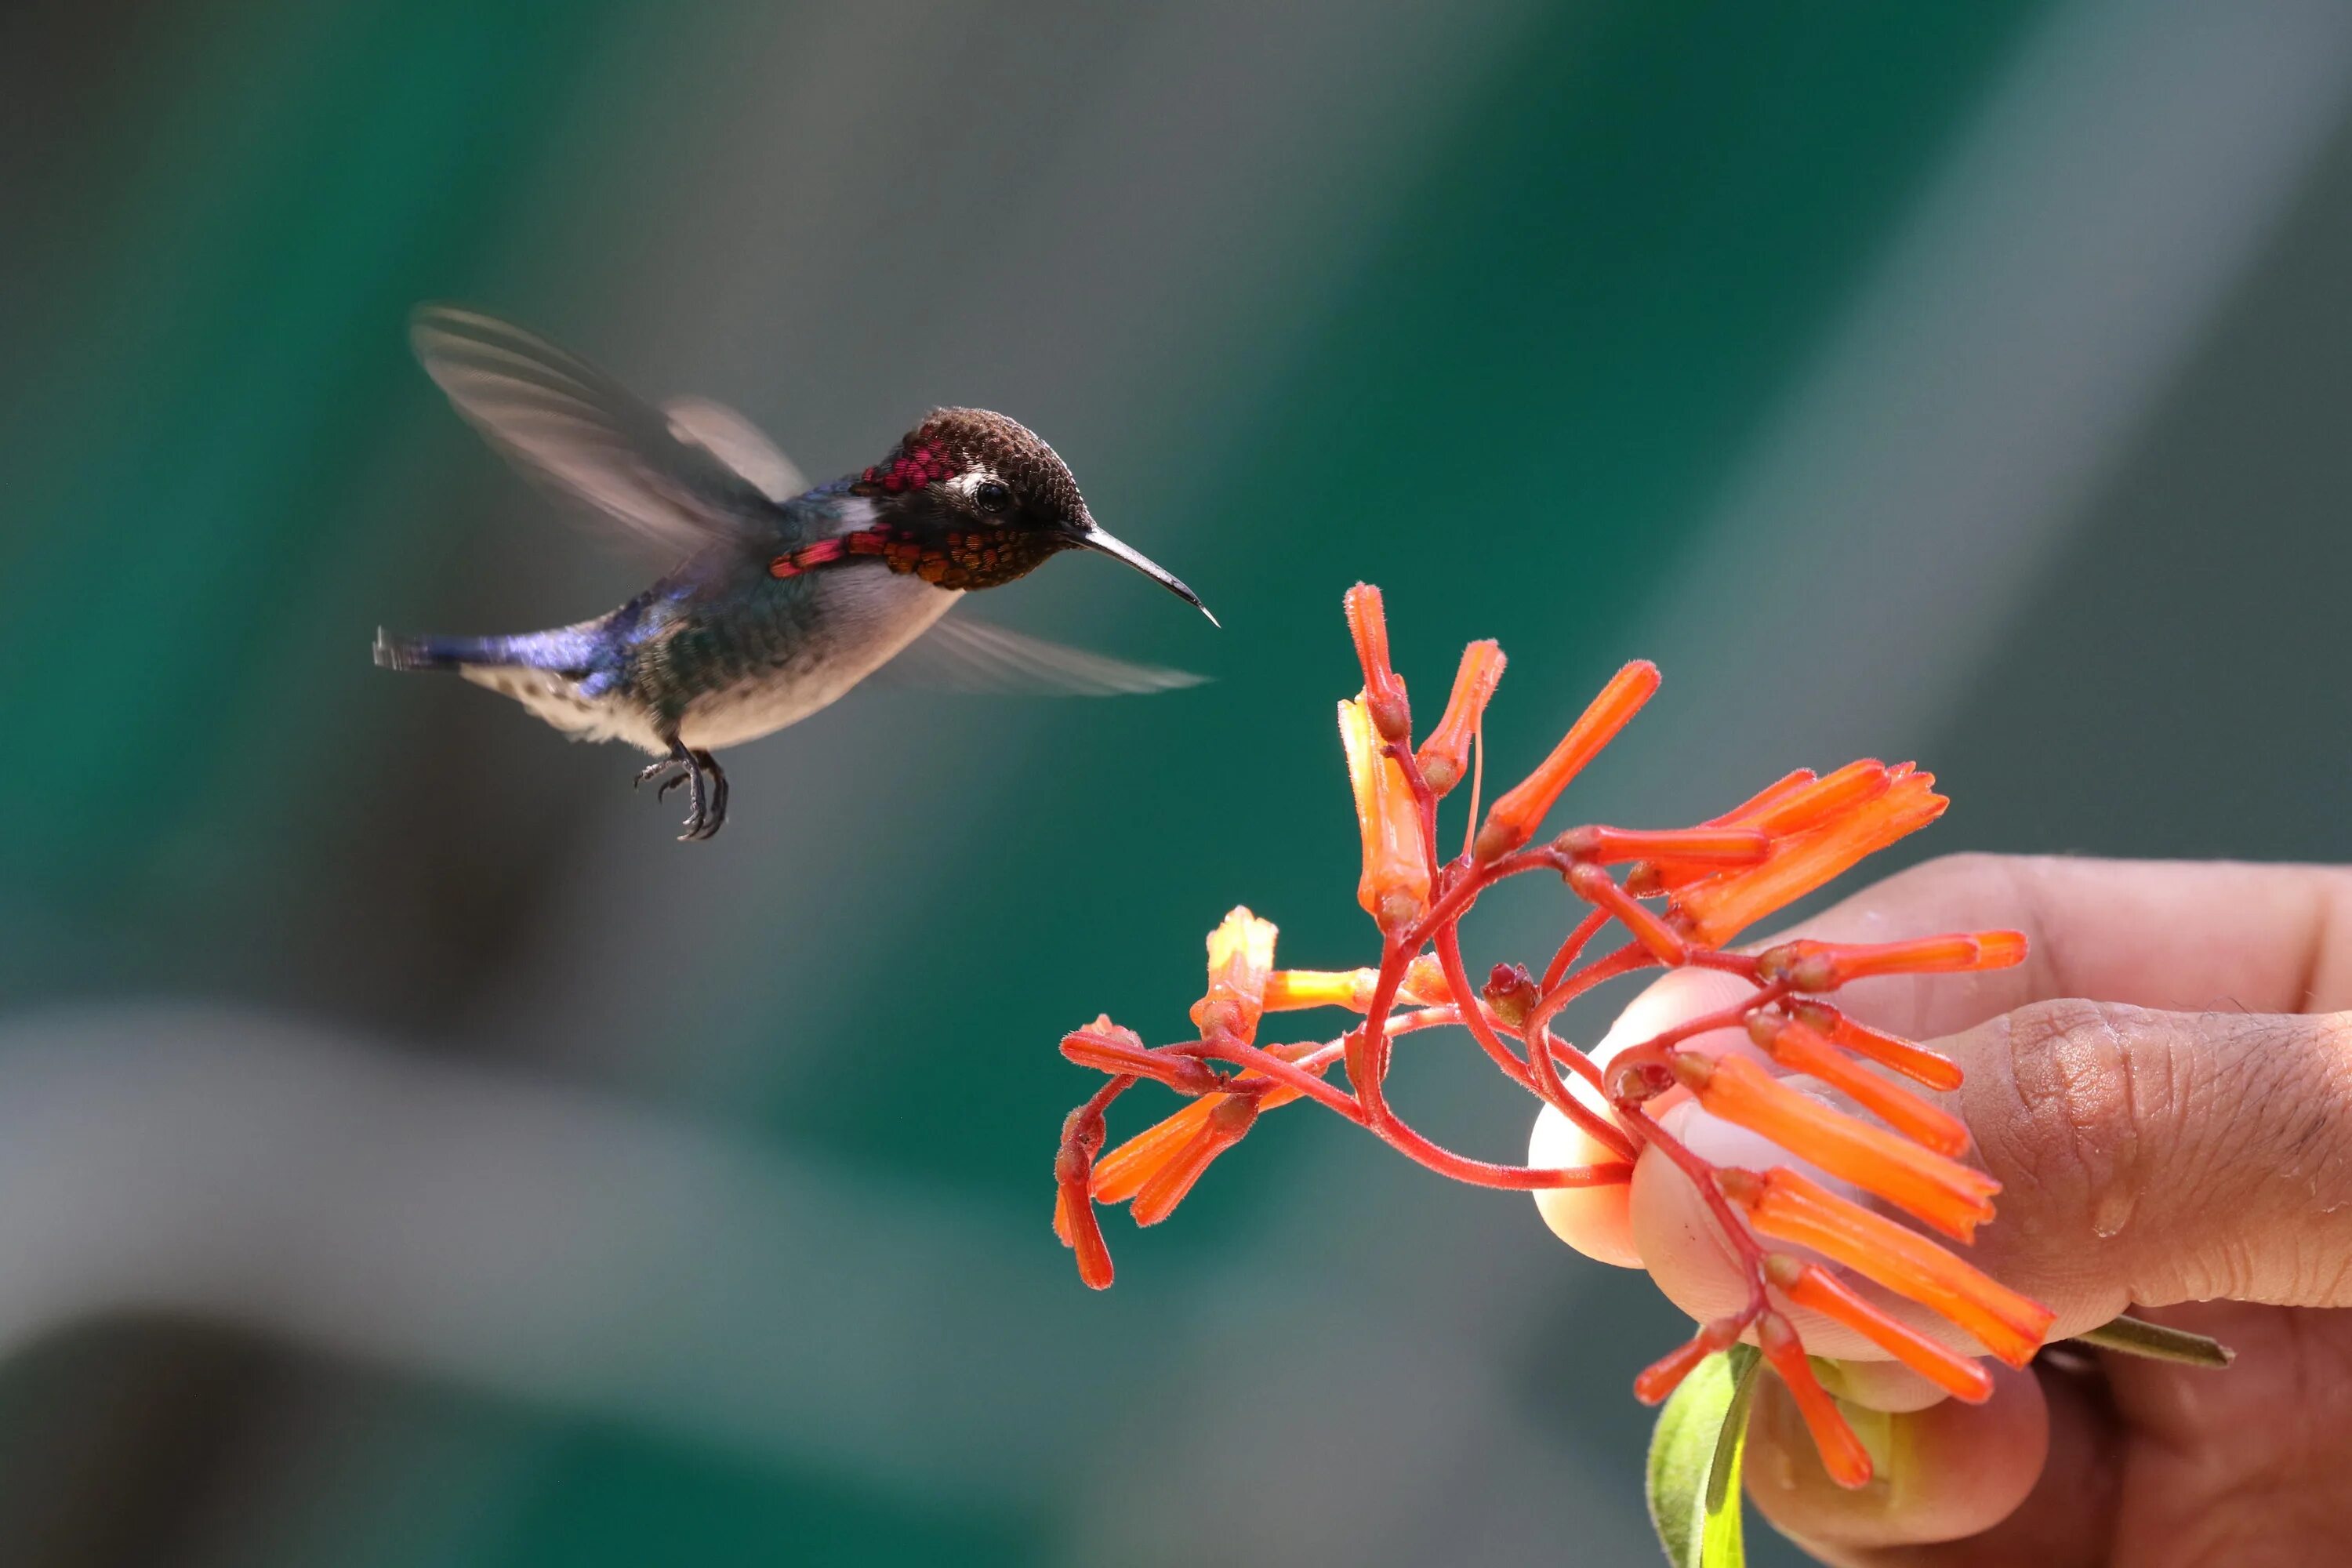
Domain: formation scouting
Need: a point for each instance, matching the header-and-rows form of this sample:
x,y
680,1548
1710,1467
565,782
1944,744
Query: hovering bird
x,y
787,595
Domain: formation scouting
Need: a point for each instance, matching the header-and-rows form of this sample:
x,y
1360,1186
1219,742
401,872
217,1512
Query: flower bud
x,y
1395,887
1384,697
1510,992
1512,821
1799,1048
1842,1455
1241,959
1445,756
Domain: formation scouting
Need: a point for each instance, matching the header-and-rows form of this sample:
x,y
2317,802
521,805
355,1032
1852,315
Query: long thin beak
x,y
1095,538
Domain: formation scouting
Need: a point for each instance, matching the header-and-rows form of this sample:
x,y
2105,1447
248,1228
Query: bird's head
x,y
982,501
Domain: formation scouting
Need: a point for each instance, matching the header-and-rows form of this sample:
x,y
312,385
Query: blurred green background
x,y
409,1154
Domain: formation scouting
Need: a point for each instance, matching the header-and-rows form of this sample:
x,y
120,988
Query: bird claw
x,y
706,784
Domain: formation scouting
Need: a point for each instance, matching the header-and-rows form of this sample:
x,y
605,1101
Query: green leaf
x,y
1694,1453
2136,1336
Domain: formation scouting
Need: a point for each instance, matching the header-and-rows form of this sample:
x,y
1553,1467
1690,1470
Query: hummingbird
x,y
784,595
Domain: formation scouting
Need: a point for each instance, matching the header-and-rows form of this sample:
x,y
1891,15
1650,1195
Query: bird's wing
x,y
959,654
557,416
738,443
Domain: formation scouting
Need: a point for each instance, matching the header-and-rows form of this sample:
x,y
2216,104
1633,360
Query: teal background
x,y
409,1154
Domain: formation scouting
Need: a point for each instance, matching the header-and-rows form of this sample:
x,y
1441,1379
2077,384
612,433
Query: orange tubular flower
x,y
1945,1194
1395,887
1512,820
1124,1172
1784,1205
1823,800
1706,849
1383,695
1825,966
1106,1048
1842,1455
1241,961
1158,1168
1227,1120
1288,990
1716,878
1446,753
1794,1046
1721,906
1917,1063
1074,1210
1664,1375
1810,1286
1120,1175
1763,800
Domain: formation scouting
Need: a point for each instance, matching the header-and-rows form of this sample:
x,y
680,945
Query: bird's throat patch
x,y
973,559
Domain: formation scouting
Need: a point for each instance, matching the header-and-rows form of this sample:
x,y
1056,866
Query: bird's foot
x,y
706,787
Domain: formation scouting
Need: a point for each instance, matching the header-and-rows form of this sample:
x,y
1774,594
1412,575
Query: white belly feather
x,y
871,615
557,699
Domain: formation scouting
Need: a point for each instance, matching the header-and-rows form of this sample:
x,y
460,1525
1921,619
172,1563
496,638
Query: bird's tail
x,y
563,650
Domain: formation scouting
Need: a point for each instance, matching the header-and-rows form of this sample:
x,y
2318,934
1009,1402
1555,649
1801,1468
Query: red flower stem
x,y
1461,894
1510,1178
1538,1073
1626,959
1367,1056
1475,1017
1367,1052
1586,930
1745,1249
1091,1111
1478,783
1568,1055
1655,1048
1300,1074
1367,1046
1593,885
1297,1075
1315,1056
1740,963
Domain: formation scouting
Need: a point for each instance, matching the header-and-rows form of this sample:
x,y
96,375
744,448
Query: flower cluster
x,y
1681,895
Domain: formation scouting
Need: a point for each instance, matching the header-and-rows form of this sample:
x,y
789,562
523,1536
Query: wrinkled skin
x,y
2180,1144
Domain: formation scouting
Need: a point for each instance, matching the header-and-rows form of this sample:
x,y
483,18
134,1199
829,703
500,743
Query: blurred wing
x,y
738,443
959,654
556,415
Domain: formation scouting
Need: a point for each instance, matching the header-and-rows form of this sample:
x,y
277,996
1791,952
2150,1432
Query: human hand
x,y
2183,1136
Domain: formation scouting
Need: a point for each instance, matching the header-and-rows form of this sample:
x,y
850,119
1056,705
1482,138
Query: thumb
x,y
2155,1157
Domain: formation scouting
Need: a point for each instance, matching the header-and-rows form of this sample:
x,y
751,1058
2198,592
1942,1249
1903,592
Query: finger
x,y
1680,1244
2153,933
1885,1385
2244,1466
2031,1476
2173,936
2143,1157
2164,1157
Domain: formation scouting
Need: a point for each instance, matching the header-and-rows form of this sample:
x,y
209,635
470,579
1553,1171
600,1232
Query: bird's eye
x,y
989,495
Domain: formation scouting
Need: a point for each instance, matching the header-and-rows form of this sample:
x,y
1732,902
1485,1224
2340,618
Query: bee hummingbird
x,y
787,595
